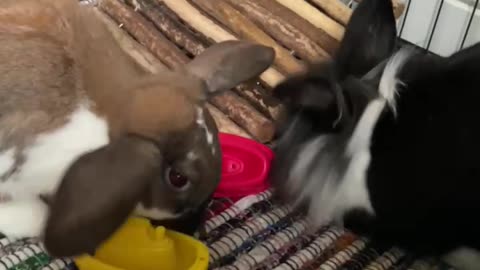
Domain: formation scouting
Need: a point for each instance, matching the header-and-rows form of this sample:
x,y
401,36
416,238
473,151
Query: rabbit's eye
x,y
176,179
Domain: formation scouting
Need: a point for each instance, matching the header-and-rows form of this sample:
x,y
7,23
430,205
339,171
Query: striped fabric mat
x,y
255,233
29,254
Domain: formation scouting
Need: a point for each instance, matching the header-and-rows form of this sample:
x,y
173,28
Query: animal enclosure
x,y
258,233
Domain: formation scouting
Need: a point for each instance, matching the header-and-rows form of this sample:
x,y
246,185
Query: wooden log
x,y
224,124
335,9
315,17
172,29
341,12
328,43
144,32
398,8
172,15
261,99
234,106
153,65
207,27
282,30
138,52
196,36
246,29
182,37
261,128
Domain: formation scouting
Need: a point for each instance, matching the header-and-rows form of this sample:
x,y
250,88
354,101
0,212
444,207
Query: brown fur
x,y
117,205
30,111
56,55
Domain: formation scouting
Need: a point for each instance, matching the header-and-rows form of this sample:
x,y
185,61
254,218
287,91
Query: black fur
x,y
424,175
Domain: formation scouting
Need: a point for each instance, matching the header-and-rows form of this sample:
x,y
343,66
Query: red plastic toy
x,y
245,167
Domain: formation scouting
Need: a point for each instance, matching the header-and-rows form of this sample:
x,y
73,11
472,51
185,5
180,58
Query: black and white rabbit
x,y
386,141
82,124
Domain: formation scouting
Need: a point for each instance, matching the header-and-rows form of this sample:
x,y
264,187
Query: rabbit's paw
x,y
23,218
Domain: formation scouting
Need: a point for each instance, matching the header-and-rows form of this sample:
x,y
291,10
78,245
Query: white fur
x,y
154,213
23,218
338,181
308,150
47,159
7,160
201,122
353,190
387,94
298,173
464,259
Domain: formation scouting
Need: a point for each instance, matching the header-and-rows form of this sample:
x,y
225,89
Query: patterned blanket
x,y
255,233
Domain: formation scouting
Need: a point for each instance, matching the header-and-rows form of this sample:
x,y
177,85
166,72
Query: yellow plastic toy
x,y
139,246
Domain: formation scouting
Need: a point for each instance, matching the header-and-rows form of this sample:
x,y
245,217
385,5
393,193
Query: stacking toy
x,y
137,245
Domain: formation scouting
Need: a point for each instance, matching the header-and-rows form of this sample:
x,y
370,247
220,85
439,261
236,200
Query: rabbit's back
x,y
45,117
423,176
37,81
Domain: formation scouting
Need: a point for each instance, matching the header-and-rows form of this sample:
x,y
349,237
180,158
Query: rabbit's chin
x,y
156,213
188,221
189,224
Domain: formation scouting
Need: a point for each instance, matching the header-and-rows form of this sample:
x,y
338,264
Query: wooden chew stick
x,y
145,33
261,99
335,9
328,43
153,65
279,29
172,29
138,52
224,124
165,21
315,16
242,114
171,26
234,106
398,8
246,29
341,13
204,25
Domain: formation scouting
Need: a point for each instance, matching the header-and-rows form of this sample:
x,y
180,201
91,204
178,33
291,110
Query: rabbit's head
x,y
162,159
330,96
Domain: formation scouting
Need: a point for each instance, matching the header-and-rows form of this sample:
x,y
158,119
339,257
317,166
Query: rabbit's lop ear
x,y
370,37
98,193
227,64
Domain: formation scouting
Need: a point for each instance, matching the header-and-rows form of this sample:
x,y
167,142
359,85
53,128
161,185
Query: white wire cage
x,y
441,27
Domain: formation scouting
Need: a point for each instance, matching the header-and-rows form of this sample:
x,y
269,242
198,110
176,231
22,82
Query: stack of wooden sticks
x,y
166,34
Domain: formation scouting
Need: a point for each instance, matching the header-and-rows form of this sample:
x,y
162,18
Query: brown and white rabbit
x,y
82,123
